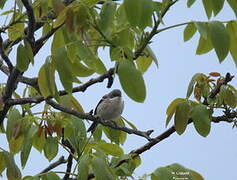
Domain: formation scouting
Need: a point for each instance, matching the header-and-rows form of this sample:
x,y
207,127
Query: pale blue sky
x,y
215,157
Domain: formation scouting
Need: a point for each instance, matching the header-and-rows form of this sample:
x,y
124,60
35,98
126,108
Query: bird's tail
x,y
92,127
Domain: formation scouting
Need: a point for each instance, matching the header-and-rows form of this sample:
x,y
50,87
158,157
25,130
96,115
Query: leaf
x,y
230,98
151,53
58,41
111,149
15,144
83,167
233,5
14,117
107,16
232,31
202,28
16,31
190,3
139,12
132,81
22,59
220,39
2,3
46,79
201,119
101,169
181,116
172,108
13,170
143,63
217,5
27,145
50,148
2,163
71,102
189,31
62,64
208,7
214,74
81,70
51,176
191,84
39,140
204,46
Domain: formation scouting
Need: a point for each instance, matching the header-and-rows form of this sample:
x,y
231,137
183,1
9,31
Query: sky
x,y
214,157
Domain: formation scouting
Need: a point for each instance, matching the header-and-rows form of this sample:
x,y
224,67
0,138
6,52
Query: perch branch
x,y
55,164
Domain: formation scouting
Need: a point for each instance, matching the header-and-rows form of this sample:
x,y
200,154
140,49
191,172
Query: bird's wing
x,y
103,98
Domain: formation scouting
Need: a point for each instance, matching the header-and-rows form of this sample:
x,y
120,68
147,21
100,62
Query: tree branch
x,y
4,56
88,116
31,22
60,161
171,130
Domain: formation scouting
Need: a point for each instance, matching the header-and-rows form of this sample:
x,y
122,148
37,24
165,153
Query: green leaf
x,y
190,3
13,171
181,116
101,169
51,148
62,64
208,7
202,28
123,38
81,70
233,5
152,54
27,145
51,176
39,140
29,51
2,163
16,31
191,84
204,46
139,12
220,39
89,58
132,81
83,167
201,119
46,79
58,41
172,108
217,5
2,3
14,118
143,63
232,30
22,59
71,102
107,16
189,31
111,149
15,144
230,98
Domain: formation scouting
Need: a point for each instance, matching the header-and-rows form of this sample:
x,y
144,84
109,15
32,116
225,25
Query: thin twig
x,y
4,56
55,164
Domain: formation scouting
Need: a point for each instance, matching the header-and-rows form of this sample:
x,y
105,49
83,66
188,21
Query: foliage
x,y
78,29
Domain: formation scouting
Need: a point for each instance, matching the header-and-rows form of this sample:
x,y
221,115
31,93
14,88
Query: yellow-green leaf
x,y
233,5
208,7
189,31
220,39
107,16
201,119
202,28
112,149
181,116
83,167
143,63
139,12
131,81
22,59
50,148
204,46
217,5
232,30
172,108
101,169
15,144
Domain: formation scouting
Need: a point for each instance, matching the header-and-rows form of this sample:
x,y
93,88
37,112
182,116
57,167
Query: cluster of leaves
x,y
79,29
214,34
200,111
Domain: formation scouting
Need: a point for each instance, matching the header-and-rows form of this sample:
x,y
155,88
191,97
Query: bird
x,y
109,107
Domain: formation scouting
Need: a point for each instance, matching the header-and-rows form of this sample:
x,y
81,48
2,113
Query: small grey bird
x,y
110,107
